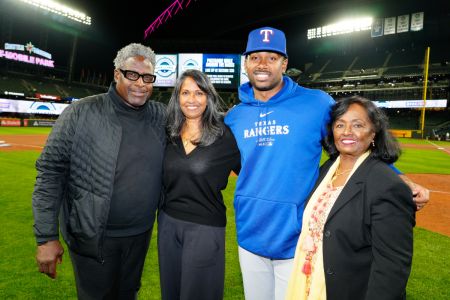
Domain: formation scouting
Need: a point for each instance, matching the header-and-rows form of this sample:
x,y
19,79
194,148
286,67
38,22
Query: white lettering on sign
x,y
27,58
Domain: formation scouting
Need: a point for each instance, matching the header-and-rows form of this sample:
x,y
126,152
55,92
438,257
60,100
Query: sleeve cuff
x,y
42,240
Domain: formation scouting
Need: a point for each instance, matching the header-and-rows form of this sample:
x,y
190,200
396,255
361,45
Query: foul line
x,y
432,191
26,145
439,147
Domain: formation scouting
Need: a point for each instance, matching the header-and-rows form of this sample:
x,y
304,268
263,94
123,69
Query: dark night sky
x,y
204,26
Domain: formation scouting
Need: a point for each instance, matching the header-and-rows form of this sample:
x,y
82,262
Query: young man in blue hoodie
x,y
278,126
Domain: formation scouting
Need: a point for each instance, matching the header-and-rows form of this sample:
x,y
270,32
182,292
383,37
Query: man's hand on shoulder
x,y
47,256
421,195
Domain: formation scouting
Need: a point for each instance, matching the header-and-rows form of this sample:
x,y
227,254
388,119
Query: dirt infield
x,y
435,216
23,142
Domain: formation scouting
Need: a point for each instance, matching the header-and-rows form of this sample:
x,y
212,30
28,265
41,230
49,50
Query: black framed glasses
x,y
134,76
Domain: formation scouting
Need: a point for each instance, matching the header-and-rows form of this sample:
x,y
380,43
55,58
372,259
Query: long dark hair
x,y
386,147
212,124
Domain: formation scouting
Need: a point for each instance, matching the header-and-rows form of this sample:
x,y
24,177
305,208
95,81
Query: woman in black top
x,y
200,154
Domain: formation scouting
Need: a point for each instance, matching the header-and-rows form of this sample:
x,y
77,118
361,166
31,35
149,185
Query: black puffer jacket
x,y
76,172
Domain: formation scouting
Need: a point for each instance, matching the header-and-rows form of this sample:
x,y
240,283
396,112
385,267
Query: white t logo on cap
x,y
266,34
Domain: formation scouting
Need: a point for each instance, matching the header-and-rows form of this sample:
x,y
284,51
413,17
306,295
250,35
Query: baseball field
x,y
425,162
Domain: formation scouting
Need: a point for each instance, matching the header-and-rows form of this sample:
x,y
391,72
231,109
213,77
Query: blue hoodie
x,y
280,144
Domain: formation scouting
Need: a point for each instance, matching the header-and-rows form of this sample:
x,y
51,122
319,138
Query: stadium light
x,y
61,10
342,27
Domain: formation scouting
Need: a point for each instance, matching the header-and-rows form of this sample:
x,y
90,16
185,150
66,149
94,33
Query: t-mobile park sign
x,y
13,52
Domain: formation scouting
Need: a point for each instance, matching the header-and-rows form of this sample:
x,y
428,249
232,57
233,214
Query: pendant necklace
x,y
188,140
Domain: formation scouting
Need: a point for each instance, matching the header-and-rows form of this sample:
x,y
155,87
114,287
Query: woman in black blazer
x,y
357,236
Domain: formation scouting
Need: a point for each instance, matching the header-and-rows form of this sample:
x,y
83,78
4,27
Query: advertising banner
x,y
222,69
165,70
38,123
377,28
401,133
31,107
389,25
47,97
435,103
403,23
417,21
10,122
188,61
18,52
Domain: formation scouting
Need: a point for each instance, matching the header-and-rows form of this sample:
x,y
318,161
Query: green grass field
x,y
19,278
24,130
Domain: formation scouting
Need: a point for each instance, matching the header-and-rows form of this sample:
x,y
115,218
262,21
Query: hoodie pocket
x,y
267,228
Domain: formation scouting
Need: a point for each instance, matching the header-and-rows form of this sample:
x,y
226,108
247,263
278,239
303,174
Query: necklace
x,y
188,140
343,172
337,174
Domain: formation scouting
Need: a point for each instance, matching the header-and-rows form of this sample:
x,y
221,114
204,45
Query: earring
x,y
373,143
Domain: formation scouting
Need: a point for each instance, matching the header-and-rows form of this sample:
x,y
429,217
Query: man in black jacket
x,y
99,179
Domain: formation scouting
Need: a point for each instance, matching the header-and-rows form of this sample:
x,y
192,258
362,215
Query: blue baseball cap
x,y
266,39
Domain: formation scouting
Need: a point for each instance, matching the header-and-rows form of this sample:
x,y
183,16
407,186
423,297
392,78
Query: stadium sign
x,y
38,123
434,103
187,61
47,97
10,122
222,69
31,107
10,52
166,70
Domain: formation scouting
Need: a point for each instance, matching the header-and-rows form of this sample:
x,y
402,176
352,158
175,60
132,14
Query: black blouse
x,y
193,182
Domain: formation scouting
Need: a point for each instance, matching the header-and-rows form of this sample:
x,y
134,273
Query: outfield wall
x,y
15,122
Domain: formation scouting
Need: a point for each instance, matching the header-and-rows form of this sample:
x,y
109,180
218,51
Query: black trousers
x,y
191,260
119,277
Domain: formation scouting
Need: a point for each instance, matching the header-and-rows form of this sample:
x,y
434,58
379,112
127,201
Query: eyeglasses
x,y
134,76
